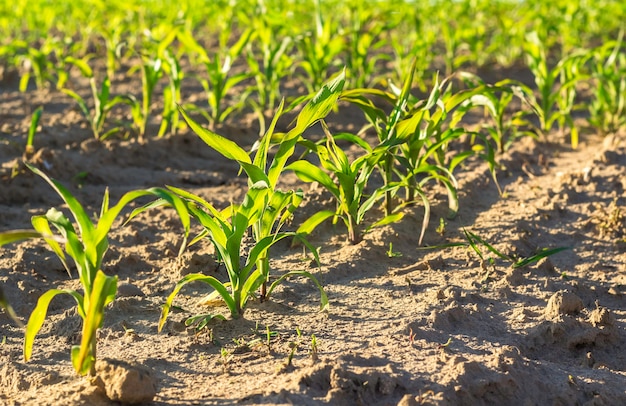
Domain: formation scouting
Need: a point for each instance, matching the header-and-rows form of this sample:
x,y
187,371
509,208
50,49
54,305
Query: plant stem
x,y
354,236
264,267
388,168
92,345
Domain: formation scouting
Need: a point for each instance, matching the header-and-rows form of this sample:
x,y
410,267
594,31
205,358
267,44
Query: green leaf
x,y
308,172
390,219
81,64
222,145
37,317
82,104
315,220
34,122
9,237
85,226
103,292
542,254
321,104
41,224
210,280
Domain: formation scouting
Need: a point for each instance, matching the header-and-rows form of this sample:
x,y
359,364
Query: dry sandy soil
x,y
434,326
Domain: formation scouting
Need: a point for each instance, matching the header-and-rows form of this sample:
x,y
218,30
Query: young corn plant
x,y
608,108
32,130
475,242
495,99
102,101
86,245
38,62
171,94
274,63
349,188
365,44
386,127
220,80
263,213
414,134
151,71
320,50
556,87
227,230
430,129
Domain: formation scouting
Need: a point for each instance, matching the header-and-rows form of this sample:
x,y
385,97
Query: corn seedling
x,y
391,253
475,242
151,71
608,108
264,211
429,130
86,246
171,94
227,230
37,62
556,87
386,128
349,191
225,358
320,50
441,228
294,345
314,351
102,103
281,205
268,338
220,80
495,100
32,130
365,41
274,63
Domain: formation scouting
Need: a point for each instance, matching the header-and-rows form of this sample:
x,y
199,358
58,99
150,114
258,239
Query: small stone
x,y
128,383
563,302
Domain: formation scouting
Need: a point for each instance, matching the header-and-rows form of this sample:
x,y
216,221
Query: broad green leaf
x,y
41,224
320,105
259,249
81,102
222,145
37,317
315,220
9,237
308,172
262,149
251,283
81,64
